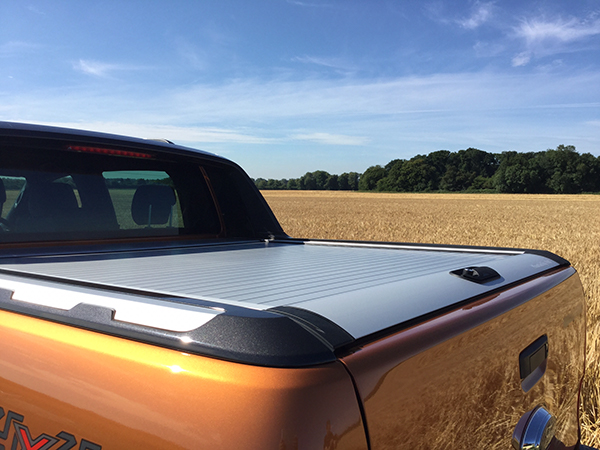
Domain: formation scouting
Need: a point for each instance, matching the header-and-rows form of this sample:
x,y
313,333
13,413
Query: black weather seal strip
x,y
326,330
239,334
546,254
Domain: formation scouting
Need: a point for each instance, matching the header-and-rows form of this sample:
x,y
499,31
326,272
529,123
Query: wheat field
x,y
568,225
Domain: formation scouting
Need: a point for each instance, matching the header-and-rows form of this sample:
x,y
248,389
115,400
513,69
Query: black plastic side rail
x,y
437,247
286,338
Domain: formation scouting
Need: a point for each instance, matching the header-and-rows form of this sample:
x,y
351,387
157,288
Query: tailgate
x,y
456,381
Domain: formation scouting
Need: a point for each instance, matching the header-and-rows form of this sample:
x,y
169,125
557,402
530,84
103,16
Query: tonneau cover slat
x,y
362,288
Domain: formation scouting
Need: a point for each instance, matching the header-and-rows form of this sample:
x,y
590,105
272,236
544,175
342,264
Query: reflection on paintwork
x,y
176,369
331,439
454,381
125,394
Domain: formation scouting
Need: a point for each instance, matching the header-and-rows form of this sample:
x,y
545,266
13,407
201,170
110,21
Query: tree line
x,y
133,183
554,171
314,181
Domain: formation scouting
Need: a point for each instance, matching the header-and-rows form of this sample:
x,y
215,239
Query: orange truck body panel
x,y
118,393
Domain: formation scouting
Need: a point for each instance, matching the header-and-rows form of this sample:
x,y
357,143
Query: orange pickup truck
x,y
149,299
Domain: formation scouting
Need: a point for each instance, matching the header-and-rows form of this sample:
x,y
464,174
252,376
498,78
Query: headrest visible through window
x,y
152,204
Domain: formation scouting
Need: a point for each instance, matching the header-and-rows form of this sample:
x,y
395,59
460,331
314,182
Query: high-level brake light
x,y
108,151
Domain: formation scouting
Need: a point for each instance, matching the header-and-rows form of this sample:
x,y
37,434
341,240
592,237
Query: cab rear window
x,y
77,192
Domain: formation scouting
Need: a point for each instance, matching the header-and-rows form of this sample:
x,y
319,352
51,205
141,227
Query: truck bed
x,y
359,288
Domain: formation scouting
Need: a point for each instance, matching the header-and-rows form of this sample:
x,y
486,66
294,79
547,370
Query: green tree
x,y
321,179
353,180
519,173
415,175
439,160
308,182
481,183
261,183
343,183
332,183
560,167
391,182
587,173
368,180
463,167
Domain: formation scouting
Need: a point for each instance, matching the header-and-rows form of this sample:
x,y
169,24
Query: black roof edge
x,y
546,254
58,134
239,334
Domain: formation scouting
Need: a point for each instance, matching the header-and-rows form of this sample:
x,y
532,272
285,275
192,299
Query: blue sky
x,y
288,86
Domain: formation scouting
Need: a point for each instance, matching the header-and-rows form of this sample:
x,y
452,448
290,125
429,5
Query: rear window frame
x,y
203,165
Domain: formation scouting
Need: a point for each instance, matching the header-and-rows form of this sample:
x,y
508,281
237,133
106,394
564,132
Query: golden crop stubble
x,y
568,225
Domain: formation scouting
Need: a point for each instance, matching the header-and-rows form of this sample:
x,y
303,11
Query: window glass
x,y
68,180
12,187
144,199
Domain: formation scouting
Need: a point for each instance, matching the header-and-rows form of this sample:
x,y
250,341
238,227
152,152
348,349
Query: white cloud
x,y
331,139
259,104
95,68
102,69
16,48
435,11
537,31
482,12
331,63
256,104
191,54
177,134
262,123
521,59
556,64
310,4
35,10
544,38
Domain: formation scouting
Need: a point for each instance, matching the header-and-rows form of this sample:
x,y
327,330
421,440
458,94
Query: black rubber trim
x,y
326,330
546,254
361,404
239,334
